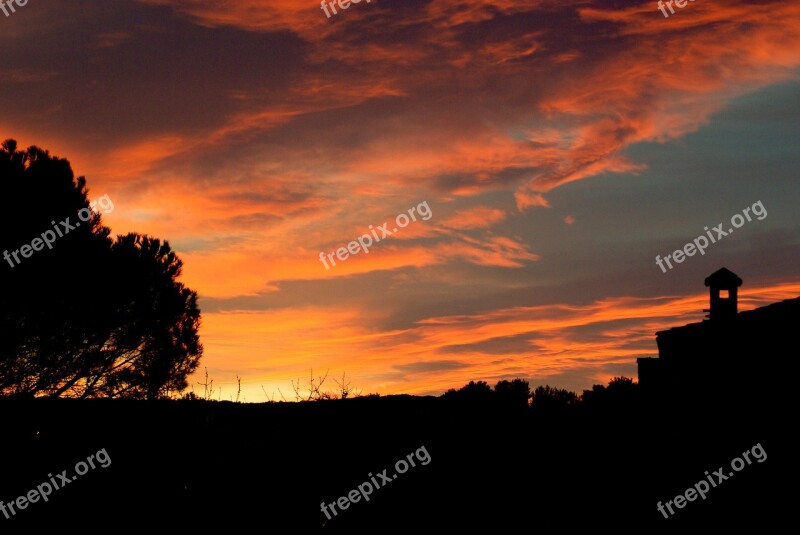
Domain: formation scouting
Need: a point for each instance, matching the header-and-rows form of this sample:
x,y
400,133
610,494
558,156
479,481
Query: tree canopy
x,y
82,314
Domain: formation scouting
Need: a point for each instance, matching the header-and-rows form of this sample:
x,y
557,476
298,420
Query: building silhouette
x,y
728,351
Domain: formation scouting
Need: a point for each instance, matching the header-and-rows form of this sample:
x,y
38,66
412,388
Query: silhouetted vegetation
x,y
545,399
550,399
87,316
620,391
514,393
472,392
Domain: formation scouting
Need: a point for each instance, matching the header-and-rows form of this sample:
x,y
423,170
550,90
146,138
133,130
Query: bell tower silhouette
x,y
723,285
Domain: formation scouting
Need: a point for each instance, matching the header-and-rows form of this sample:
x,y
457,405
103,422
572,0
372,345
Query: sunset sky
x,y
559,145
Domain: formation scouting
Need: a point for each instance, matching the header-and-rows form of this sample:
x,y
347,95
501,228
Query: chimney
x,y
723,285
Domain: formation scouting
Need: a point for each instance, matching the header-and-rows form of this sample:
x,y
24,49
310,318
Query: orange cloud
x,y
474,218
526,200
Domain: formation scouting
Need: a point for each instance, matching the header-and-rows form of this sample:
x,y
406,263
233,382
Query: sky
x,y
548,152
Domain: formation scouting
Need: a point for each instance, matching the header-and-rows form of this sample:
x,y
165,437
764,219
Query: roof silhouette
x,y
723,277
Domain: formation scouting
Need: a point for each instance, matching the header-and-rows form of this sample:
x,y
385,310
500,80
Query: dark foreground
x,y
224,467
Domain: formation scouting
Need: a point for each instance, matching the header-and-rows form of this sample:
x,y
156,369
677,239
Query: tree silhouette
x,y
472,392
516,393
85,316
550,399
621,391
